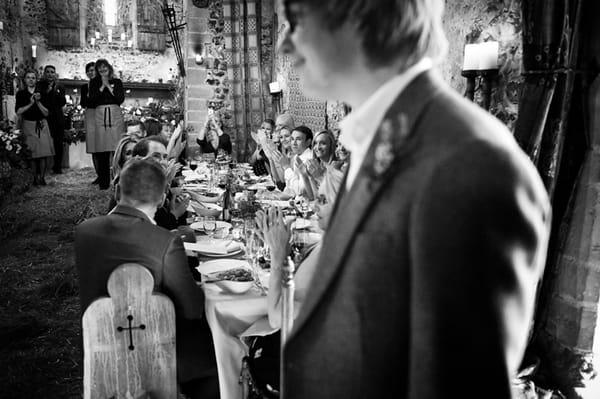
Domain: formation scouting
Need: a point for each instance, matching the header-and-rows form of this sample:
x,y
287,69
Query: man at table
x,y
429,266
129,234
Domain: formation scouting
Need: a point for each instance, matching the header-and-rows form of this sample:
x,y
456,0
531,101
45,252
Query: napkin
x,y
215,247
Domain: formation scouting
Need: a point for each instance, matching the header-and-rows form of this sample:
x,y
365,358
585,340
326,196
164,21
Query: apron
x,y
109,127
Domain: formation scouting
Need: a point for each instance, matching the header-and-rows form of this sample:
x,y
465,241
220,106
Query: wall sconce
x,y
199,59
480,61
276,92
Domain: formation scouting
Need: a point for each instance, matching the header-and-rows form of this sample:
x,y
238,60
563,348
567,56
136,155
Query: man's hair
x,y
89,65
270,122
286,120
49,66
390,29
142,182
141,148
308,134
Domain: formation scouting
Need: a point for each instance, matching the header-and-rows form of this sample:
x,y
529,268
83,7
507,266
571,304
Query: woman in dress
x,y
90,116
107,93
34,125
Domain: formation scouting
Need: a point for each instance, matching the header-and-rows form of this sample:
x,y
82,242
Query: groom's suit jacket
x,y
426,281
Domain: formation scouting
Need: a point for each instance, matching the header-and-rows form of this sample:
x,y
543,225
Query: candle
x,y
488,55
471,60
34,51
2,28
150,100
123,36
110,32
129,43
97,35
93,41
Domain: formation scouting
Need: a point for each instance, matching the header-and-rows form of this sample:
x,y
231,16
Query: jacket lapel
x,y
389,147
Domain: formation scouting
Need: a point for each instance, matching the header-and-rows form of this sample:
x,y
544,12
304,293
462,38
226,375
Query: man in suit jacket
x,y
129,235
426,283
53,97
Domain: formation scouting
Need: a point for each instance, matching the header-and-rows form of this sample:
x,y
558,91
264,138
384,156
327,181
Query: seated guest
x,y
324,166
296,177
258,159
129,234
264,351
212,139
284,147
123,153
136,128
172,213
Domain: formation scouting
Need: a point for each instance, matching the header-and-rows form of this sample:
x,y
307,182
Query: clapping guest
x,y
107,93
212,138
90,116
296,177
324,160
29,107
53,98
258,159
284,149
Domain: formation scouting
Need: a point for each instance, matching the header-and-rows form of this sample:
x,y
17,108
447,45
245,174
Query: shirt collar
x,y
359,127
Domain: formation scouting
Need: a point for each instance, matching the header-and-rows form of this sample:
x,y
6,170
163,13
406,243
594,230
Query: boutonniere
x,y
393,132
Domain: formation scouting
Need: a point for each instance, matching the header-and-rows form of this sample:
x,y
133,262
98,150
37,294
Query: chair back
x,y
129,340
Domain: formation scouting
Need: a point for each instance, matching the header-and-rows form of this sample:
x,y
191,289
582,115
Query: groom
x,y
426,287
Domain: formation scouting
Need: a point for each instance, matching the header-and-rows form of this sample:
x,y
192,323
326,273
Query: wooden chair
x,y
129,340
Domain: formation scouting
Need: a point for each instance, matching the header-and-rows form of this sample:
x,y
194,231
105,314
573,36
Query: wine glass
x,y
210,225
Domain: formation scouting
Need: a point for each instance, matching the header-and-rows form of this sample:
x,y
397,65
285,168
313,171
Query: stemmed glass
x,y
299,243
210,225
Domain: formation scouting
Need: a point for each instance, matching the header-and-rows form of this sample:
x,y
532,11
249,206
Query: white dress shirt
x,y
294,184
359,127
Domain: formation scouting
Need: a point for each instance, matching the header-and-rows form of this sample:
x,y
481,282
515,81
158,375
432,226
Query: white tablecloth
x,y
228,316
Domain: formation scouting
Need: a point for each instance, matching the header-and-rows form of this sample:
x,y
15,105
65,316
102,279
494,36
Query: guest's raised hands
x,y
315,169
275,233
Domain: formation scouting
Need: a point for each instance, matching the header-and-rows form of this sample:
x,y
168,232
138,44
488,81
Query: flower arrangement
x,y
75,121
13,149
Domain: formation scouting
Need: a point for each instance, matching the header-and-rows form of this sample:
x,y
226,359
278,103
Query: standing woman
x,y
107,93
29,107
90,117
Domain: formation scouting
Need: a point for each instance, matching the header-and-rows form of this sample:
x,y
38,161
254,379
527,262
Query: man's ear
x,y
163,198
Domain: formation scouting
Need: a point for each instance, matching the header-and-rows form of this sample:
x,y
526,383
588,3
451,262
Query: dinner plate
x,y
228,254
199,226
216,266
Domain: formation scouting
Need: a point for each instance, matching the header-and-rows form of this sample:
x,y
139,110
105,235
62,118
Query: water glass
x,y
210,225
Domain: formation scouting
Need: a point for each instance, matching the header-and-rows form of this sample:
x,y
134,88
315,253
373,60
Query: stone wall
x,y
467,21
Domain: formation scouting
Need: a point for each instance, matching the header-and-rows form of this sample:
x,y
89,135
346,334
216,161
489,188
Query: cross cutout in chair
x,y
130,328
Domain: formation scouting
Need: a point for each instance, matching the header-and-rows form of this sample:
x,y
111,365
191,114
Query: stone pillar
x,y
83,5
570,334
197,91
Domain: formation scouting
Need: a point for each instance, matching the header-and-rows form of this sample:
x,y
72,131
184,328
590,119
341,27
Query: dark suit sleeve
x,y
478,238
178,283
